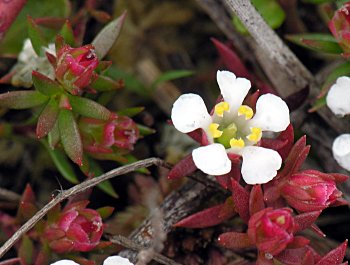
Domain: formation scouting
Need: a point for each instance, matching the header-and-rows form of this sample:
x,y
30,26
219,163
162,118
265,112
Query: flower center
x,y
232,132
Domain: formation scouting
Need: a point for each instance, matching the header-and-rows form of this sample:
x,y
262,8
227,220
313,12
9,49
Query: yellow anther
x,y
213,129
221,107
256,134
281,220
246,111
237,142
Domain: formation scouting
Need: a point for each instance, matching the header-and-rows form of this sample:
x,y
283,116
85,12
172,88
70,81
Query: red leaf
x,y
234,240
206,218
308,259
241,200
231,59
305,220
11,261
256,200
10,10
298,242
47,119
22,99
183,168
335,256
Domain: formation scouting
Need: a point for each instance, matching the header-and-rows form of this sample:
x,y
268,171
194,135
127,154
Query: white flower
x,y
338,97
113,260
28,61
233,128
341,150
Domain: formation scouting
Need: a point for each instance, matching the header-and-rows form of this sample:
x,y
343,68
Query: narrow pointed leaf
x,y
70,136
36,36
206,218
62,163
22,99
305,220
105,212
234,240
45,85
68,34
241,200
105,39
335,256
183,168
105,83
256,200
144,130
317,42
47,118
54,136
170,75
89,108
130,112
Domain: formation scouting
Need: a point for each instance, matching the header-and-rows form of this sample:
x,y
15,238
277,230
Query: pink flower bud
x,y
308,191
340,26
77,229
103,136
271,230
75,67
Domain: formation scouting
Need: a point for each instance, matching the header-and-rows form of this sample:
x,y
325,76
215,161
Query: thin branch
x,y
128,243
271,45
75,190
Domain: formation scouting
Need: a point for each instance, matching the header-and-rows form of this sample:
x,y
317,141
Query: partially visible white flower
x,y
338,97
112,260
29,61
233,128
341,150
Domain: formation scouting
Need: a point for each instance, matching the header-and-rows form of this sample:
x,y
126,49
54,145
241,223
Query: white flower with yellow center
x,y
233,128
338,100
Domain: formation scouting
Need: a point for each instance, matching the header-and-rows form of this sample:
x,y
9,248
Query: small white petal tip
x,y
341,150
338,97
65,262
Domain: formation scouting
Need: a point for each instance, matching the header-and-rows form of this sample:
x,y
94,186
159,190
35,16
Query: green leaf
x,y
105,83
89,108
26,250
47,118
54,136
62,163
22,99
105,212
68,34
144,130
317,42
45,85
13,40
105,186
170,75
70,136
130,112
271,12
36,36
105,39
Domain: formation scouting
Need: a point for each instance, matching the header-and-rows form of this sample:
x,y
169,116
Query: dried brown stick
x,y
128,243
73,191
271,45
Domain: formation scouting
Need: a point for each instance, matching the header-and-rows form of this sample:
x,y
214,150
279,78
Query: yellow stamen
x,y
221,107
281,220
213,129
246,111
256,134
237,142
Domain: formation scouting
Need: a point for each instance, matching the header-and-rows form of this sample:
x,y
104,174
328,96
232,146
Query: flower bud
x,y
308,191
103,136
340,26
75,67
271,230
77,229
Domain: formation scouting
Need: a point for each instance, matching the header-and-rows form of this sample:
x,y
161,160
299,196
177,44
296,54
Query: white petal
x,y
212,159
341,150
190,113
272,114
117,260
65,262
260,164
27,52
338,97
233,89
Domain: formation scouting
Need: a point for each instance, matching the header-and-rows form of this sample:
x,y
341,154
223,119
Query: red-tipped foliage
x,y
183,168
335,256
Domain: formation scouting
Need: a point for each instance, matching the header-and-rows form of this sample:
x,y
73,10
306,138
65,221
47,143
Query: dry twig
x,y
75,190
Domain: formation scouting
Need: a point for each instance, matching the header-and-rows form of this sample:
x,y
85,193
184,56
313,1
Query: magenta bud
x,y
339,25
308,191
271,230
